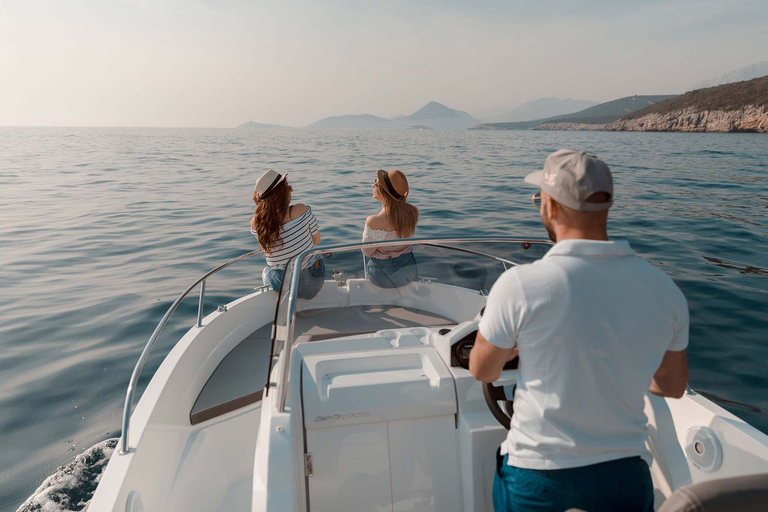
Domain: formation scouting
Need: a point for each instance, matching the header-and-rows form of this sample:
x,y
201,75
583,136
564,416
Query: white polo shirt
x,y
592,322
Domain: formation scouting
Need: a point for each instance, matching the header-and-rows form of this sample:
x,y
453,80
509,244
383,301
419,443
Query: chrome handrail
x,y
148,347
285,357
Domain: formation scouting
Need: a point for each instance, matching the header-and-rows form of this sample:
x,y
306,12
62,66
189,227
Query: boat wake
x,y
72,486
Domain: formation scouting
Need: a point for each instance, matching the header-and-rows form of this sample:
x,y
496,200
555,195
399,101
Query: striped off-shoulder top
x,y
295,237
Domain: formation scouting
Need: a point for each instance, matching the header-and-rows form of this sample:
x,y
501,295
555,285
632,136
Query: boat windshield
x,y
431,284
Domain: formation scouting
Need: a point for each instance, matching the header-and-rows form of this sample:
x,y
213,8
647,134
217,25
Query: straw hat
x,y
394,183
268,182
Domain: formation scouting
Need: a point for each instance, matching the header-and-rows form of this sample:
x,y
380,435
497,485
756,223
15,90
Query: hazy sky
x,y
219,63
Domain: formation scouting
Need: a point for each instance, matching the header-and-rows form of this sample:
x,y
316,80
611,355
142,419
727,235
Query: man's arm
x,y
671,378
486,360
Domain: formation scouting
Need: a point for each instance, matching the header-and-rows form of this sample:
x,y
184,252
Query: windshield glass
x,y
420,284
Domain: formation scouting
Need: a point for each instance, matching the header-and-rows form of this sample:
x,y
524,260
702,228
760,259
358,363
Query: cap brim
x,y
534,178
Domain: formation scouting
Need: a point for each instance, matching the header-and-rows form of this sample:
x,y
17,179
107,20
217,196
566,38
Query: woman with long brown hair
x,y
284,231
392,266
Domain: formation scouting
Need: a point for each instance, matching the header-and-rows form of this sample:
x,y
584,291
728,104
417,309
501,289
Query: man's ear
x,y
553,210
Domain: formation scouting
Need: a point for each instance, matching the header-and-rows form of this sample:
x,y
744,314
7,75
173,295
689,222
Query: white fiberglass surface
x,y
242,372
435,277
740,449
166,453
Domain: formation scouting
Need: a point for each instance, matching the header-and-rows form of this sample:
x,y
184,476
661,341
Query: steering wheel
x,y
495,394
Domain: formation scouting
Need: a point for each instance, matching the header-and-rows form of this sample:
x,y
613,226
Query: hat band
x,y
390,189
271,188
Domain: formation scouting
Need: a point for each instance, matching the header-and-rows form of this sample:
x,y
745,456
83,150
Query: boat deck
x,y
240,378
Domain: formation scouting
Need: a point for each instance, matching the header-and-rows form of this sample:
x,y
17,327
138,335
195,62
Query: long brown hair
x,y
402,215
268,217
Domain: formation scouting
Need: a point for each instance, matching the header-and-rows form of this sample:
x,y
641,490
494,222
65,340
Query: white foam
x,y
71,488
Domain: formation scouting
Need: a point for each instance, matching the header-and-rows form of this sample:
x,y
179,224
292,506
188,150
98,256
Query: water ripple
x,y
102,228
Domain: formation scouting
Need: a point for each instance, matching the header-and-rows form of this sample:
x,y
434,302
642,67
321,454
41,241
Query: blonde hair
x,y
403,216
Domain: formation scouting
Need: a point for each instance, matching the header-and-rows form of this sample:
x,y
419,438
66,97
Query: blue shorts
x,y
392,272
623,484
310,280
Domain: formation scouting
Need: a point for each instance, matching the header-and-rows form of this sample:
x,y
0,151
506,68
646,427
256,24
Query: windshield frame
x,y
284,358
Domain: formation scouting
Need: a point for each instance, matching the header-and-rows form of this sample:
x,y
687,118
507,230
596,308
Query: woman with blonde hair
x,y
392,266
284,231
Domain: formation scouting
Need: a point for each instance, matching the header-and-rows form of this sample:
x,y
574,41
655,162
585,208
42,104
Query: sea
x,y
101,228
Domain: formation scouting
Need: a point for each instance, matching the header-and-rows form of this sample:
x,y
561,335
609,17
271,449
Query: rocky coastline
x,y
571,127
746,119
749,119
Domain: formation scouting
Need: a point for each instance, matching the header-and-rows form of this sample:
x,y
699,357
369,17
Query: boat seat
x,y
323,324
239,379
742,493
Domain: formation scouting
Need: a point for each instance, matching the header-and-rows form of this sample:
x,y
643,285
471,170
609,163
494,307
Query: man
x,y
595,326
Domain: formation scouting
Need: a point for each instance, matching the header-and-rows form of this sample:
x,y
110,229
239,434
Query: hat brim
x,y
534,178
273,186
380,175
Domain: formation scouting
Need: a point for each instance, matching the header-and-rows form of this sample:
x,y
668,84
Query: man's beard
x,y
548,227
551,233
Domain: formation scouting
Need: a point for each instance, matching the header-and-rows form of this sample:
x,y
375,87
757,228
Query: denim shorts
x,y
623,484
392,272
310,280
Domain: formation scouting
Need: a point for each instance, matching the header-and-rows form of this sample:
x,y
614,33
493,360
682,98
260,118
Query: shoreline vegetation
x,y
740,107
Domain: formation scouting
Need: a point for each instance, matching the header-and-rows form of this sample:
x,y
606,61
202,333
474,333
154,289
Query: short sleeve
x,y
503,311
682,325
314,228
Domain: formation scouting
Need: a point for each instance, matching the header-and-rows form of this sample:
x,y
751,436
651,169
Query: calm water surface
x,y
100,229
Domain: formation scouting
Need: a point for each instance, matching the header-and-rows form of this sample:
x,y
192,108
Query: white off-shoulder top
x,y
376,235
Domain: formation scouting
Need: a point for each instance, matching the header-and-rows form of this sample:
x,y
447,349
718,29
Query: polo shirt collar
x,y
578,247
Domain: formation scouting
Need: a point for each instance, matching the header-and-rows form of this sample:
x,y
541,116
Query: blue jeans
x,y
623,484
392,272
310,279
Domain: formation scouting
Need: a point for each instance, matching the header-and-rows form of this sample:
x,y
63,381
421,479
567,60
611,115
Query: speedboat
x,y
360,398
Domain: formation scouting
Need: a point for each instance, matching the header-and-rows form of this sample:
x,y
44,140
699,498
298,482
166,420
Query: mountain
x,y
432,115
541,109
439,117
251,125
352,122
740,75
599,114
733,107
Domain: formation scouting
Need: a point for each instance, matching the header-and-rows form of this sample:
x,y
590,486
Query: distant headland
x,y
432,116
591,117
730,108
251,125
735,107
736,102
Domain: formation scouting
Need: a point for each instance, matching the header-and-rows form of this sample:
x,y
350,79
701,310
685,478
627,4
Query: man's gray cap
x,y
570,177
